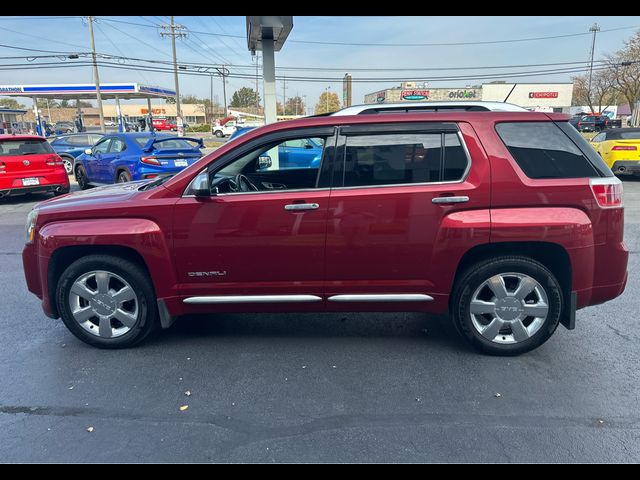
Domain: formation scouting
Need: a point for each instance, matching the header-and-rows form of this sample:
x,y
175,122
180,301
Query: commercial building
x,y
554,97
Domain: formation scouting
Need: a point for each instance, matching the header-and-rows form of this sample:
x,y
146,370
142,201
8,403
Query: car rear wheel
x,y
124,176
507,305
218,134
107,301
81,177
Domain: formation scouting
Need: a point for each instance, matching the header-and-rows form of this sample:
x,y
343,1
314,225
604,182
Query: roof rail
x,y
406,107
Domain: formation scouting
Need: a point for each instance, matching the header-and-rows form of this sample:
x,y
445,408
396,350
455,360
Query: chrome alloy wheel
x,y
509,308
103,304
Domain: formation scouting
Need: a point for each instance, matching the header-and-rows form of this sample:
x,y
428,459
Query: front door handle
x,y
452,199
301,206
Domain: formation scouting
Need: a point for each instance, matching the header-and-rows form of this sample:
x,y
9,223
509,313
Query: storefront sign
x,y
463,94
414,95
543,94
155,111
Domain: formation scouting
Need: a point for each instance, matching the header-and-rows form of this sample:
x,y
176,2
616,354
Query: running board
x,y
393,297
252,299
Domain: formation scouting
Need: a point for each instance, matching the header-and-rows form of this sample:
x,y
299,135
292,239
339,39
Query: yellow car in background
x,y
620,149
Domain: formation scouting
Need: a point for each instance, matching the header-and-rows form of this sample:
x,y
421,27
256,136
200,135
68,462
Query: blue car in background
x,y
298,153
69,147
124,157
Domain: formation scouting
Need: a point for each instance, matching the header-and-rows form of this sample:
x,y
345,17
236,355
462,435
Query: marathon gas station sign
x,y
108,90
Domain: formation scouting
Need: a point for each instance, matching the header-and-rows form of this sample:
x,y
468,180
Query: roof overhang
x,y
265,27
87,91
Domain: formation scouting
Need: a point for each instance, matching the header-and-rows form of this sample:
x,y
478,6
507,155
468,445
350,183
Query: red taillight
x,y
608,191
579,124
625,147
54,160
150,161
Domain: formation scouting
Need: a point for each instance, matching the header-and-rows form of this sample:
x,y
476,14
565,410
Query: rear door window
x,y
403,158
545,150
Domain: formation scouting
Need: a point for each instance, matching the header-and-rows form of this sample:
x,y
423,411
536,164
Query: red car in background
x,y
164,124
28,164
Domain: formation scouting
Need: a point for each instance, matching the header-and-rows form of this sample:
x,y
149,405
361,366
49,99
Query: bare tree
x,y
603,92
625,65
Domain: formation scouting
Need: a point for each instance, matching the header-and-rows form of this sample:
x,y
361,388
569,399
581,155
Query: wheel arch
x,y
65,256
552,255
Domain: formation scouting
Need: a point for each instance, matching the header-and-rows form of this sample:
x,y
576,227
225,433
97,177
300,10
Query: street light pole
x,y
326,97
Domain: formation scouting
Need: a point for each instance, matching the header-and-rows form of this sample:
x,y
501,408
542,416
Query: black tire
x,y
138,279
123,177
218,134
470,280
81,177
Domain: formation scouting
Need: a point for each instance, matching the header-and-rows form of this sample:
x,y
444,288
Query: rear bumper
x,y
626,167
35,189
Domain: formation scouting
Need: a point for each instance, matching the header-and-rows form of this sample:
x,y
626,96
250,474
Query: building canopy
x,y
123,91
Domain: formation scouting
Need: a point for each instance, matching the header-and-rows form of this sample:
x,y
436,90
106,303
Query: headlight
x,y
30,227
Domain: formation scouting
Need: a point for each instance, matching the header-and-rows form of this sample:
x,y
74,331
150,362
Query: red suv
x,y
508,220
28,164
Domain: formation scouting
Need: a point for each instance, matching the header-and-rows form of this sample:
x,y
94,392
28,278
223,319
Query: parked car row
x,y
594,123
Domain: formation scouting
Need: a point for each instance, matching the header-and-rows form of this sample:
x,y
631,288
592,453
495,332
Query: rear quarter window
x,y
547,150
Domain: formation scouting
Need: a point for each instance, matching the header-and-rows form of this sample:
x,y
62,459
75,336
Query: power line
x,y
431,44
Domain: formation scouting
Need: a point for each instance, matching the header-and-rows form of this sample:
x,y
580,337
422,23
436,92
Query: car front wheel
x,y
124,177
81,177
507,305
219,134
107,301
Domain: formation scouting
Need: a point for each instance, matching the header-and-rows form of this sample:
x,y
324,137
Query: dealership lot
x,y
346,387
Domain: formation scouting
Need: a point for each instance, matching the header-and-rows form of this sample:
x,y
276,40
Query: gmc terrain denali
x,y
507,219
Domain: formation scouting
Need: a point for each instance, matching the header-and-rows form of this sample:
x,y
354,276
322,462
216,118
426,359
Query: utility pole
x,y
224,89
172,30
211,100
96,76
326,98
595,28
284,95
257,87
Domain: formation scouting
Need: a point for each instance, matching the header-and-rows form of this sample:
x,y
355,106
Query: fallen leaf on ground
x,y
183,408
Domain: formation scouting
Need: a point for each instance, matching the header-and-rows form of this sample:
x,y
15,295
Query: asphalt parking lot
x,y
315,388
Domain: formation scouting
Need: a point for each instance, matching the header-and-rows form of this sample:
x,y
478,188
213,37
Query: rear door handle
x,y
453,199
301,206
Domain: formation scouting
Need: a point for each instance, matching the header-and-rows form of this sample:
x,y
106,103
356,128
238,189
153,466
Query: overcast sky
x,y
202,47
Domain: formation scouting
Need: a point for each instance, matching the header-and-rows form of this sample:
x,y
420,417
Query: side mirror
x,y
200,187
264,162
88,151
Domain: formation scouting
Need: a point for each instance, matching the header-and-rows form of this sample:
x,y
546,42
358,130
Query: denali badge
x,y
208,274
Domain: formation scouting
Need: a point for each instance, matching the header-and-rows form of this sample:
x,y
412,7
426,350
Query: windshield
x,y
24,147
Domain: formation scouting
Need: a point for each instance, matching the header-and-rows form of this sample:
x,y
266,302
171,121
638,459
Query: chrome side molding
x,y
391,297
252,299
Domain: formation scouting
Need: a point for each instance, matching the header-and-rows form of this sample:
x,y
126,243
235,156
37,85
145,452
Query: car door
x,y
395,219
92,161
264,246
112,159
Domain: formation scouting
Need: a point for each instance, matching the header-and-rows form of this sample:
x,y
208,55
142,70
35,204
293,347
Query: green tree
x,y
245,97
328,102
11,103
294,106
82,104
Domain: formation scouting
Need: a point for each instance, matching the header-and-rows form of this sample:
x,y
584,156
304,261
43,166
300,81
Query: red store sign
x,y
543,94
